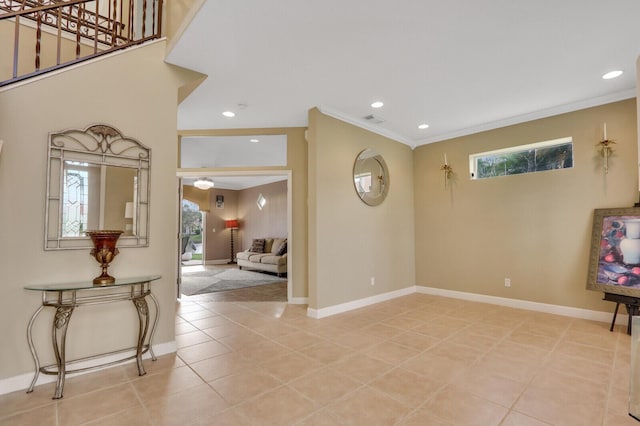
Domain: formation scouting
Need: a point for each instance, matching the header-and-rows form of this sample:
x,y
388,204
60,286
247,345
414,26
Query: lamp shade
x,y
232,224
203,183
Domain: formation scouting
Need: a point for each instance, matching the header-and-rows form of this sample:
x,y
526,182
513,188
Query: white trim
x,y
535,115
566,311
360,303
367,126
217,262
298,301
21,382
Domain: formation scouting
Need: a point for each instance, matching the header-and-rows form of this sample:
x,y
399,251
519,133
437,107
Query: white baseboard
x,y
299,301
566,311
217,262
22,382
360,303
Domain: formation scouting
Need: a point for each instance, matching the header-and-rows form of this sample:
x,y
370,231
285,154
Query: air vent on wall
x,y
373,119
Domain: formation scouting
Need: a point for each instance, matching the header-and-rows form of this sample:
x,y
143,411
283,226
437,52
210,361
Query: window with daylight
x,y
535,157
75,188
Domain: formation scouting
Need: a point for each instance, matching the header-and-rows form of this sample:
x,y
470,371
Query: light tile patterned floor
x,y
415,360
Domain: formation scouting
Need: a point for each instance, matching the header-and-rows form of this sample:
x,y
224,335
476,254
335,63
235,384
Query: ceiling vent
x,y
373,119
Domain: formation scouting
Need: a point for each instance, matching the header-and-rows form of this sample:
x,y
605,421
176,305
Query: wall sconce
x,y
261,201
233,225
605,150
447,169
203,183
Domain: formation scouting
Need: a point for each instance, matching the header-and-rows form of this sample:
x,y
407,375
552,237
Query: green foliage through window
x,y
523,159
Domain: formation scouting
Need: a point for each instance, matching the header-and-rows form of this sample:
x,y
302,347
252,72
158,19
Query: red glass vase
x,y
104,250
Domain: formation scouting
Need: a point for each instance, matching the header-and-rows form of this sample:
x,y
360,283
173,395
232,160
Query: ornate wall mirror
x,y
96,179
371,177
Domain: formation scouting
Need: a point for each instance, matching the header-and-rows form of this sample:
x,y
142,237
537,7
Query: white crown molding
x,y
367,126
535,115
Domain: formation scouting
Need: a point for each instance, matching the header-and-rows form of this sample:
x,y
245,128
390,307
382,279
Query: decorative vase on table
x,y
104,250
630,245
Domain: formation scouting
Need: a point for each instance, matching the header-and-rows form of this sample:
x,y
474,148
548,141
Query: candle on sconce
x,y
445,159
605,131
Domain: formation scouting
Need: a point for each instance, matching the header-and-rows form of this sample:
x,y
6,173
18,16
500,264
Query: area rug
x,y
212,280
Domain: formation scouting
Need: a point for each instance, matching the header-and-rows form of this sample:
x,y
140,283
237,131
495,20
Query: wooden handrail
x,y
79,28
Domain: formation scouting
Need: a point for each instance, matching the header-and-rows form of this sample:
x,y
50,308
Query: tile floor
x,y
415,360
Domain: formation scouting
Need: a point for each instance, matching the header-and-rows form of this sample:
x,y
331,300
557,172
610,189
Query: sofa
x,y
265,254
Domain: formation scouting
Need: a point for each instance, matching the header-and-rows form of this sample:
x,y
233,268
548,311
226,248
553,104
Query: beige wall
x,y
118,192
271,221
27,48
533,228
350,242
138,98
297,163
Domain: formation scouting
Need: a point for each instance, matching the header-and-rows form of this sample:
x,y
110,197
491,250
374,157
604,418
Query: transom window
x,y
531,158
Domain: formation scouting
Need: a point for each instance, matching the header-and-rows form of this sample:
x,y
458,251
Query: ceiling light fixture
x,y
377,104
229,114
254,140
423,126
612,74
203,183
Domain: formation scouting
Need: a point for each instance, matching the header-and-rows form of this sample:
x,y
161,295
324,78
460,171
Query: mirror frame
x,y
366,197
102,145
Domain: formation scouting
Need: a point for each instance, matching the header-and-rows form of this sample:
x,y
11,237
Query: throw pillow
x,y
257,246
282,250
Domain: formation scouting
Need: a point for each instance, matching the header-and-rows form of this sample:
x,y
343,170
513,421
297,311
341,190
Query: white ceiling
x,y
460,66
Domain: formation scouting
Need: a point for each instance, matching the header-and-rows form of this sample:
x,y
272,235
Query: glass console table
x,y
66,297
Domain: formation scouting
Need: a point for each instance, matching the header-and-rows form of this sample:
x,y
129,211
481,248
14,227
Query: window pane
x,y
541,156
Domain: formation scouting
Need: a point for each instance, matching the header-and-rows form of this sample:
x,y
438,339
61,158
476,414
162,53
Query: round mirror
x,y
371,177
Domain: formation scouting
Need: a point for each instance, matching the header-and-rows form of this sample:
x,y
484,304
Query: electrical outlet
x,y
373,280
507,282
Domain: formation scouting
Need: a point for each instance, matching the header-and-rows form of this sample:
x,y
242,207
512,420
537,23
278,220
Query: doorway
x,y
192,236
213,230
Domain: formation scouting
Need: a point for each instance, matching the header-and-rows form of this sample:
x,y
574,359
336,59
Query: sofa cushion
x,y
273,260
275,246
257,246
268,243
282,250
257,257
243,255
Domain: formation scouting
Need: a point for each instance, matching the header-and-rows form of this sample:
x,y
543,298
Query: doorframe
x,y
182,173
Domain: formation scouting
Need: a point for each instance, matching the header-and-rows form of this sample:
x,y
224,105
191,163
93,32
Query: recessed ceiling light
x,y
612,74
423,126
229,114
377,104
254,140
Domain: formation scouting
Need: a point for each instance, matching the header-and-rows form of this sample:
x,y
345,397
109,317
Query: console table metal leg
x,y
143,326
32,348
153,327
59,333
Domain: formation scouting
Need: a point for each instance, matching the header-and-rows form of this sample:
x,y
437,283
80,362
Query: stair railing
x,y
52,34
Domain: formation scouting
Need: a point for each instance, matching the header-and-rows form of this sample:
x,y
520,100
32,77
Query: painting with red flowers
x,y
614,265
